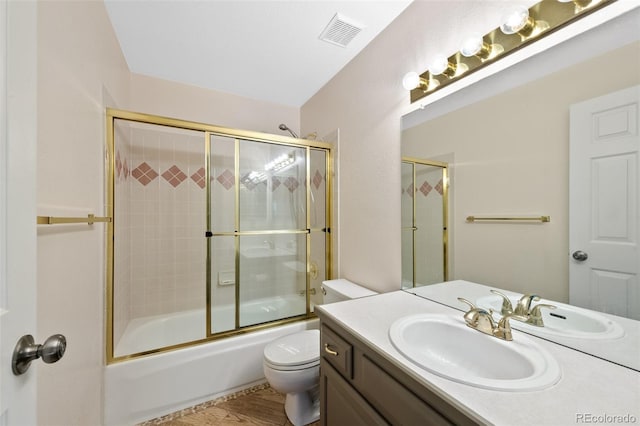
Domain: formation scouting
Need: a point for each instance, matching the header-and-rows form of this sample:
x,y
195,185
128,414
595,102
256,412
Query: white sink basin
x,y
446,346
564,321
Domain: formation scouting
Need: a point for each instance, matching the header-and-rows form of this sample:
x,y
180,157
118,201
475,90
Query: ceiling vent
x,y
340,30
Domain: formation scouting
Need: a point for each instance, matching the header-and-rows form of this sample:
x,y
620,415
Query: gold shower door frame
x,y
239,135
445,213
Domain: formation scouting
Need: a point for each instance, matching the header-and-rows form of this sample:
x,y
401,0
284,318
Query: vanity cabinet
x,y
360,387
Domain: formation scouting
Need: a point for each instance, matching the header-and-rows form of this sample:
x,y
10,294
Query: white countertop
x,y
624,350
589,386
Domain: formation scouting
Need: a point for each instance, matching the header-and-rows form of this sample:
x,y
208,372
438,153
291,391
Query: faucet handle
x,y
535,316
503,331
524,304
478,318
507,308
471,305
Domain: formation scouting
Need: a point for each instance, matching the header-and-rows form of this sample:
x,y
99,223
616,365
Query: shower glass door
x,y
259,232
160,205
424,222
319,262
408,228
214,232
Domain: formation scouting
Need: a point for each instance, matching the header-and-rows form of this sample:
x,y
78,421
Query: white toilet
x,y
292,363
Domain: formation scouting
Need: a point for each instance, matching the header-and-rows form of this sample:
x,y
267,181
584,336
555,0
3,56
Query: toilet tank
x,y
343,289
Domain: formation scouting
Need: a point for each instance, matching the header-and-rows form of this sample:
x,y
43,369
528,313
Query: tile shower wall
x,y
160,249
168,213
160,210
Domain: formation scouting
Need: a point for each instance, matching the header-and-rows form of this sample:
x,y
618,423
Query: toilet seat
x,y
295,351
296,367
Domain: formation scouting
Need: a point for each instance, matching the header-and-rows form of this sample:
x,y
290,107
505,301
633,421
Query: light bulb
x,y
411,80
515,20
472,45
438,65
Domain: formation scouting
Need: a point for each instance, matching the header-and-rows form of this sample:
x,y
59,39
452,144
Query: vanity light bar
x,y
544,18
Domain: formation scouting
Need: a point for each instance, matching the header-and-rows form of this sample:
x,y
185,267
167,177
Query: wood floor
x,y
259,406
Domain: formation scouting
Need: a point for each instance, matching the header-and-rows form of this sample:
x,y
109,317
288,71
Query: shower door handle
x,y
27,350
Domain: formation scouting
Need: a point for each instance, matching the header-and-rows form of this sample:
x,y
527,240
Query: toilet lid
x,y
294,349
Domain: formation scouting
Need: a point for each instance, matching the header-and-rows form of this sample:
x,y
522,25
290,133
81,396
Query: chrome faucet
x,y
523,308
481,320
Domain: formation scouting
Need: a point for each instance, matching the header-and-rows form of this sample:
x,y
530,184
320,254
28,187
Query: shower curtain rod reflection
x,y
505,219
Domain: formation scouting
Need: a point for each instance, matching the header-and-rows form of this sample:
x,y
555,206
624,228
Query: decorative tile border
x,y
425,188
174,176
145,174
203,406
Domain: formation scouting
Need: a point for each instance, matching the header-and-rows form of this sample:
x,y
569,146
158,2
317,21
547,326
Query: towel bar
x,y
89,220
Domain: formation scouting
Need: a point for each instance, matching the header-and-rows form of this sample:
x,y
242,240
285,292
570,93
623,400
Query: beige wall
x,y
366,101
81,70
511,158
161,97
368,225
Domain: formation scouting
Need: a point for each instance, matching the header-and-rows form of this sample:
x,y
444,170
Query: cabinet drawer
x,y
342,404
392,399
337,351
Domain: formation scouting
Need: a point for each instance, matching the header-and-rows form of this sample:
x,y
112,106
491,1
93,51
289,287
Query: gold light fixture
x,y
580,4
519,27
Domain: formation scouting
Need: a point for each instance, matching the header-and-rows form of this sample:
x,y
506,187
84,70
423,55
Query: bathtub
x,y
152,386
158,331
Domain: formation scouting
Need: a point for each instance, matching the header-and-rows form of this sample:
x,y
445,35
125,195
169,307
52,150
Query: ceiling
x,y
260,49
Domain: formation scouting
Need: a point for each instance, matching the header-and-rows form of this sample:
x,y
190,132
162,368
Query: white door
x,y
17,205
604,204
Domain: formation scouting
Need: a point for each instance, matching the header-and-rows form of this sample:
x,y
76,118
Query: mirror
x,y
506,140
